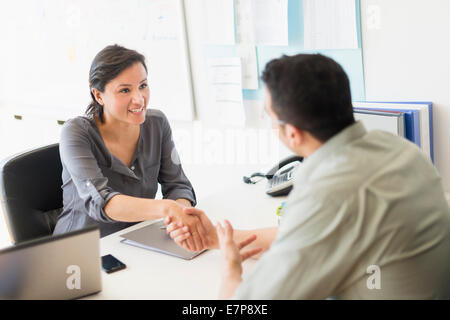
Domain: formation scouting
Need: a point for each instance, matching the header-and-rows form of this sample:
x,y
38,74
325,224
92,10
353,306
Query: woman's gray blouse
x,y
92,175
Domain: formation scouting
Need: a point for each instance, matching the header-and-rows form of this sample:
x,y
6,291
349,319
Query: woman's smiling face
x,y
125,97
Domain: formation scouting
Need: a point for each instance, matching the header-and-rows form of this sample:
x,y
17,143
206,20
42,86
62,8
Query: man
x,y
367,217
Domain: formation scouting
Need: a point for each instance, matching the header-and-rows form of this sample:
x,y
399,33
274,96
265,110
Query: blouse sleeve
x,y
82,166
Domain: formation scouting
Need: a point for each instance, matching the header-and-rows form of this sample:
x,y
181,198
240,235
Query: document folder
x,y
426,118
412,122
153,237
392,122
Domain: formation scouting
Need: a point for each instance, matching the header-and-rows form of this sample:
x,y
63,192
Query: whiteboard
x,y
51,45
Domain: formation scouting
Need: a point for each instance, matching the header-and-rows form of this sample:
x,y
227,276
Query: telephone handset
x,y
279,178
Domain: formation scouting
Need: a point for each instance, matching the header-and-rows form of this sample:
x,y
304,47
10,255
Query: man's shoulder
x,y
395,154
389,140
372,159
373,153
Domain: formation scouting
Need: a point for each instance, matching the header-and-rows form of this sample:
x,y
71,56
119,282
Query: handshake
x,y
191,229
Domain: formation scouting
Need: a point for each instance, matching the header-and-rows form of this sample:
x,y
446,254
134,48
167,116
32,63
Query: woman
x,y
115,155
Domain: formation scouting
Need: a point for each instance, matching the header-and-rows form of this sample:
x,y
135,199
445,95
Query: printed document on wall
x,y
270,18
225,80
249,66
330,24
246,44
219,22
245,32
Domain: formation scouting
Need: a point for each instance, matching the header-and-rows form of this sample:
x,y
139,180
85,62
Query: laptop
x,y
154,237
65,266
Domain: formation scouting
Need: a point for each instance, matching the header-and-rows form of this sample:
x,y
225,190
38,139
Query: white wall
x,y
406,51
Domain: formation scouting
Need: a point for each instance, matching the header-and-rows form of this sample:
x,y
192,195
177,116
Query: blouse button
x,y
132,167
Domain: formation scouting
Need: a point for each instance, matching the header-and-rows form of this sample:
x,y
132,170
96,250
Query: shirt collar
x,y
116,164
120,167
344,137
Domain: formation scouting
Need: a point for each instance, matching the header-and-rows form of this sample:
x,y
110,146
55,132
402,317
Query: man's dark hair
x,y
107,65
311,92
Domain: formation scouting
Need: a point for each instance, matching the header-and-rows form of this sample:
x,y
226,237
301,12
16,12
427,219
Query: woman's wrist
x,y
167,206
184,202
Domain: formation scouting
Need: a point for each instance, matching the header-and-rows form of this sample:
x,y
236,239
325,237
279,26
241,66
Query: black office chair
x,y
31,194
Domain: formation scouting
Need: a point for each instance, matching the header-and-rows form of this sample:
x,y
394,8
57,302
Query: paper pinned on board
x,y
249,66
330,24
246,44
225,80
219,22
245,32
270,20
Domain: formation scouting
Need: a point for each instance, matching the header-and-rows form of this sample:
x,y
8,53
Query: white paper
x,y
270,19
249,66
219,22
330,24
246,44
245,32
225,81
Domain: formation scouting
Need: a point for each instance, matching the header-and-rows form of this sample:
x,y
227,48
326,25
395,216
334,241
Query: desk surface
x,y
152,275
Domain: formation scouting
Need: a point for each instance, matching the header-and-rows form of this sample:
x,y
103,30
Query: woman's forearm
x,y
132,209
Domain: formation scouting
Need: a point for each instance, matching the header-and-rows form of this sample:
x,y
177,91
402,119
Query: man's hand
x,y
232,258
180,233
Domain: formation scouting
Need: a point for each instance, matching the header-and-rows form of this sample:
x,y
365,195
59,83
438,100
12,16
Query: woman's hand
x,y
180,233
175,213
232,258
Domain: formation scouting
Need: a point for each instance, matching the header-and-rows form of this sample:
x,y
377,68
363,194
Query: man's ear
x,y
294,135
98,96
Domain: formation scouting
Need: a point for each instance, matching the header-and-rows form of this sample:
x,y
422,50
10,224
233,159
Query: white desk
x,y
152,275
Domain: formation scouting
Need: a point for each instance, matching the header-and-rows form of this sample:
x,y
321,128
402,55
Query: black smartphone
x,y
111,264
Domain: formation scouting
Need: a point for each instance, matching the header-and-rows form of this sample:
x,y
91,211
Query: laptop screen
x,y
66,266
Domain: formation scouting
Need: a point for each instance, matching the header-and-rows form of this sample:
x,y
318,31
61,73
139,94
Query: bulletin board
x,y
350,59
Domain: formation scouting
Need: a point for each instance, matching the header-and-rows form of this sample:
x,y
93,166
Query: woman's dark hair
x,y
311,92
107,65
